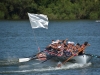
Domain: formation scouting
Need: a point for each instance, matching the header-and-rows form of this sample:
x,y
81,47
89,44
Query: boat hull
x,y
82,59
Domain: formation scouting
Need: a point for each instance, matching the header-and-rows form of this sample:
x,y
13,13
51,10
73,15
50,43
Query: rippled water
x,y
17,40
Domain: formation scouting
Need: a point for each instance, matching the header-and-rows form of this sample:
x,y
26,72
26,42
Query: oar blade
x,y
24,59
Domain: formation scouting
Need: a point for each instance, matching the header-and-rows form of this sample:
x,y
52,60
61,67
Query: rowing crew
x,y
60,48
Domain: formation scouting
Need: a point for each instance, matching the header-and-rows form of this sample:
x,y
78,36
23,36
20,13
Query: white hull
x,y
82,59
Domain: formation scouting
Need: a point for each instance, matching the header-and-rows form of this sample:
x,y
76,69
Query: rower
x,y
83,46
64,42
42,56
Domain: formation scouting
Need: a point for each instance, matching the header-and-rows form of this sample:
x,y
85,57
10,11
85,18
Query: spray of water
x,y
63,67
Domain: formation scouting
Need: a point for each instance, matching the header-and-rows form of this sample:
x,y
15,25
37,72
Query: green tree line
x,y
54,9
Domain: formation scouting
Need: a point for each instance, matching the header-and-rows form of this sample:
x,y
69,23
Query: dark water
x,y
17,40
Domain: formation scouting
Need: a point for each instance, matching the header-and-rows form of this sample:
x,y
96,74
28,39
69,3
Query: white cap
x,y
57,41
69,42
54,42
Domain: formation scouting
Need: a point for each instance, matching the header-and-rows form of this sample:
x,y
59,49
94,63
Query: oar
x,y
93,55
25,59
28,58
59,65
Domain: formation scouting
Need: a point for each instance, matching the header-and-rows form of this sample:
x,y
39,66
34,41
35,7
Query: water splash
x,y
64,67
75,65
8,62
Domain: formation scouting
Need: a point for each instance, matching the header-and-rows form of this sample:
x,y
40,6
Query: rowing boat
x,y
81,59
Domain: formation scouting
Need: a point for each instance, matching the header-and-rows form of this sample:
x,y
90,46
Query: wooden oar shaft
x,y
59,65
72,56
67,59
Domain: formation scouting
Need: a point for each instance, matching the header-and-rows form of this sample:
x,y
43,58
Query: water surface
x,y
18,39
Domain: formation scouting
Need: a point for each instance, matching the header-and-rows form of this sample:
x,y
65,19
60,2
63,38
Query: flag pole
x,y
35,38
36,41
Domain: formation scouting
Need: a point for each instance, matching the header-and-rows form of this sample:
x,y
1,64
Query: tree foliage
x,y
55,9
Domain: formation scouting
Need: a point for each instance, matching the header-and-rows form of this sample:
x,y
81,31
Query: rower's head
x,y
86,44
63,41
77,44
52,40
59,43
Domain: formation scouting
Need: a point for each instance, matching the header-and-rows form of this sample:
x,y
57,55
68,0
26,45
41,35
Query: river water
x,y
18,40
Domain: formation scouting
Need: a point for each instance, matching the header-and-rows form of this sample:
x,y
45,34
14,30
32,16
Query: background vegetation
x,y
55,9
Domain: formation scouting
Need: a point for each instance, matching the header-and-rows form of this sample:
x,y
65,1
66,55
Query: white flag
x,y
38,20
